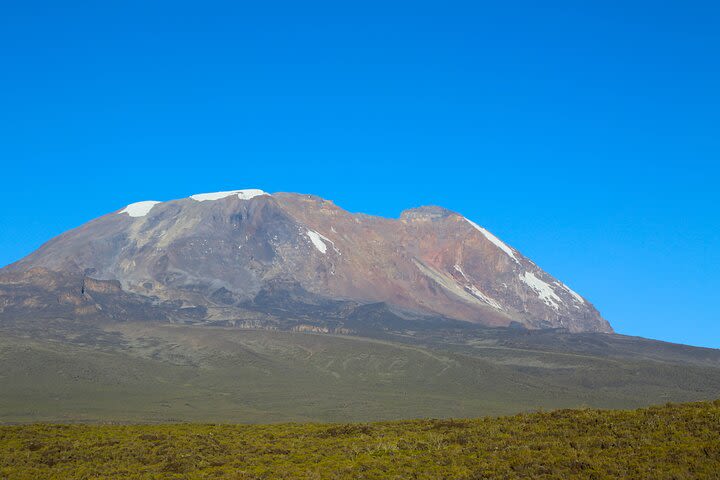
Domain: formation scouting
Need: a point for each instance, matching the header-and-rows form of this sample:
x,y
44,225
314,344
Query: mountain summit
x,y
284,260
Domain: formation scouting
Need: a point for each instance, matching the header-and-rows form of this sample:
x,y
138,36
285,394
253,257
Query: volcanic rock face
x,y
250,258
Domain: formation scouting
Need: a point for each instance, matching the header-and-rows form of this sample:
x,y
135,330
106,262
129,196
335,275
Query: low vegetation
x,y
675,441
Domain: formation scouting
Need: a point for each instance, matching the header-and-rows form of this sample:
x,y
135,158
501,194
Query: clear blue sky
x,y
585,134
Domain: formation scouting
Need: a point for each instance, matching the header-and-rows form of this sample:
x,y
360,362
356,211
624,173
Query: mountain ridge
x,y
214,254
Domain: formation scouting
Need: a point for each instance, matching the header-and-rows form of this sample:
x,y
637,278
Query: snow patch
x,y
465,292
476,292
571,292
543,289
318,239
495,240
241,194
489,300
139,209
459,269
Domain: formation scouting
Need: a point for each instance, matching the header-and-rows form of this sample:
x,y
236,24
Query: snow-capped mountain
x,y
246,257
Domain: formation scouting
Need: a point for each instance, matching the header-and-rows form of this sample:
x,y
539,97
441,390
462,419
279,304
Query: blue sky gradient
x,y
585,134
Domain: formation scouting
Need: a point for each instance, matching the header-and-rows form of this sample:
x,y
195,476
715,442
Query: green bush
x,y
670,442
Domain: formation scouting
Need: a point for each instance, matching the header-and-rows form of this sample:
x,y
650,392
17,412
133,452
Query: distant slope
x,y
673,441
141,372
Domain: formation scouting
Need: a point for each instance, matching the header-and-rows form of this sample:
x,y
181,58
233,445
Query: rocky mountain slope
x,y
287,261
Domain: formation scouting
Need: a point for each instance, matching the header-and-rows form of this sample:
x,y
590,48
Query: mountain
x,y
287,261
248,307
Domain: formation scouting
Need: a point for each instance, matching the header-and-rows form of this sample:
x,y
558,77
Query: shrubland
x,y
674,441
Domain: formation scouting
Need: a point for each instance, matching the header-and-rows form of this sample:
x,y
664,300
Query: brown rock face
x,y
247,257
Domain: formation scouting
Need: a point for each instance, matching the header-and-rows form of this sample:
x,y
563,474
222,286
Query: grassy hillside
x,y
669,442
163,373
